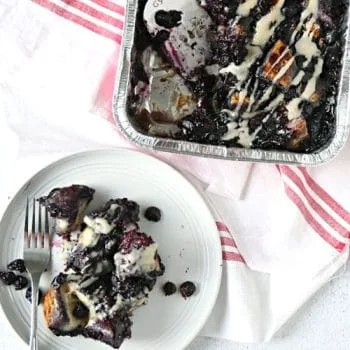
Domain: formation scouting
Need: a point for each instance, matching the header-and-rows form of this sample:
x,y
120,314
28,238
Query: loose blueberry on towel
x,y
169,288
7,277
187,289
17,265
153,214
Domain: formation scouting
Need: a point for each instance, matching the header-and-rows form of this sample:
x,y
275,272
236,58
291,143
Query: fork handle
x,y
33,343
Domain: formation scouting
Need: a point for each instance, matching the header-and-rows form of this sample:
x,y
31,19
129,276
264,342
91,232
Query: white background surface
x,y
323,324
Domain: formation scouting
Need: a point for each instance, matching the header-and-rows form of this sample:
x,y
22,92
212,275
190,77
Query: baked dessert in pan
x,y
270,76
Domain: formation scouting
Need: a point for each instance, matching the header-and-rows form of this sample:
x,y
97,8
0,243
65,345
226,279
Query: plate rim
x,y
199,325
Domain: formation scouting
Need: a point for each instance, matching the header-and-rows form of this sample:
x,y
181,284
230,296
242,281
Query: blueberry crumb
x,y
153,214
20,283
187,289
169,288
17,265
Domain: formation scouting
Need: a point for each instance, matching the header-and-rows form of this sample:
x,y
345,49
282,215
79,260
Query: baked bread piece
x,y
72,310
64,313
67,206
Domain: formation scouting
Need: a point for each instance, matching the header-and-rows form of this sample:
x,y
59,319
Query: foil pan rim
x,y
120,114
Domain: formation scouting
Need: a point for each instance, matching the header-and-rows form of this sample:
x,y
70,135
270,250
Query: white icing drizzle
x,y
242,71
312,7
62,224
299,77
245,7
252,98
304,46
233,115
267,24
293,106
136,262
88,238
242,132
99,225
266,94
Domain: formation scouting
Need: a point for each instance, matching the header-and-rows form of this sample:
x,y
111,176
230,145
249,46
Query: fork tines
x,y
37,237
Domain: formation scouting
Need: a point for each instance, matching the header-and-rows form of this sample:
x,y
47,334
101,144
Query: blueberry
x,y
153,214
59,280
169,288
168,19
300,61
29,295
17,265
7,277
20,283
187,289
160,38
291,93
80,310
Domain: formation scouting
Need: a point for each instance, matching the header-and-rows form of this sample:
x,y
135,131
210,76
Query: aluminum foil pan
x,y
121,110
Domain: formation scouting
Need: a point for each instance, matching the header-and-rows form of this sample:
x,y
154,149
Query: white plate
x,y
188,244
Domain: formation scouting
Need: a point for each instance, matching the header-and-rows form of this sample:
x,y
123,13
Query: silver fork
x,y
36,256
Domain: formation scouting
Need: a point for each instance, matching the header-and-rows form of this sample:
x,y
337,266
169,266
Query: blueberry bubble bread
x,y
110,271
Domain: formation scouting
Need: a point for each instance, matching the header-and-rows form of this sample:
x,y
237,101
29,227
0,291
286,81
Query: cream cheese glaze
x,y
305,47
136,262
245,7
